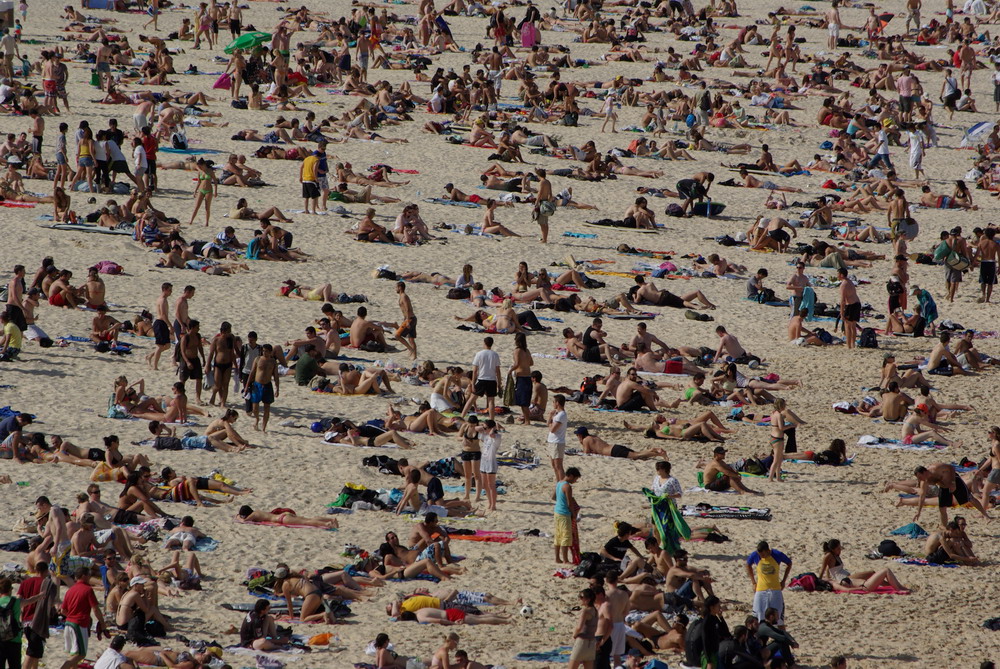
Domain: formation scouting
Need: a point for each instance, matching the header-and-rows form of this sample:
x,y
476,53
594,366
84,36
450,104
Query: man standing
x,y
545,206
263,385
8,45
485,378
406,333
520,368
150,145
307,175
905,86
104,64
191,362
832,26
322,172
618,605
762,568
38,598
565,508
181,317
797,283
558,421
161,327
987,250
850,307
15,299
913,14
77,606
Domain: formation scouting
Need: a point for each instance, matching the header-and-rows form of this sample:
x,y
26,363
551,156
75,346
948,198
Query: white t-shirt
x,y
489,447
667,486
883,143
140,158
559,435
486,361
115,154
111,659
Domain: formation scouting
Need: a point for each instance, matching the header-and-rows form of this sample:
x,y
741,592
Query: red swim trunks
x,y
57,300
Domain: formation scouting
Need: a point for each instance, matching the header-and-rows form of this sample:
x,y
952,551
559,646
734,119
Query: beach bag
x,y
10,626
675,210
458,294
765,295
224,82
868,339
588,565
889,548
957,262
508,391
239,104
178,140
546,207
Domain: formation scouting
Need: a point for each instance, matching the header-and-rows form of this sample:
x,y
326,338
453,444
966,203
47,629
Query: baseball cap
x,y
920,407
138,580
582,431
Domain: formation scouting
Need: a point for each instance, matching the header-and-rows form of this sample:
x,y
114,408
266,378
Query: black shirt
x,y
588,338
617,547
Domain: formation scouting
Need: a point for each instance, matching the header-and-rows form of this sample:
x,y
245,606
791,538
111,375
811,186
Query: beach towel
x,y
921,562
88,228
559,655
911,530
869,441
881,590
733,512
187,152
668,521
488,536
453,203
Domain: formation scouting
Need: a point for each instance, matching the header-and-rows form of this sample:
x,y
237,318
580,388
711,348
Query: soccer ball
x,y
527,611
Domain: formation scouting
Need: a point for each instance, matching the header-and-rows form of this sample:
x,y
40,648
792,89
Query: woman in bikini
x,y
833,570
706,426
247,515
131,398
290,585
207,188
221,357
135,497
425,419
911,378
222,428
783,420
468,432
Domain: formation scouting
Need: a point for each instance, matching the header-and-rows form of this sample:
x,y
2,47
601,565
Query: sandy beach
x,y
67,388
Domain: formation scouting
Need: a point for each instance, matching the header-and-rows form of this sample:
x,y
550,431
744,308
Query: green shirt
x,y
305,369
17,614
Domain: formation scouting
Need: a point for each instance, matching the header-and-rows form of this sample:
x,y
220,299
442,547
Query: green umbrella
x,y
248,41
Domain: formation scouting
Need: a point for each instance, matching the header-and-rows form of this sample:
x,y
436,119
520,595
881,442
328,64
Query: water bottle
x,y
362,506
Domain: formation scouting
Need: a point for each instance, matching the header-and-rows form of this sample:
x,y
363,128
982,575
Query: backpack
x,y
179,140
458,294
588,565
675,210
589,385
868,339
765,295
10,626
824,336
889,548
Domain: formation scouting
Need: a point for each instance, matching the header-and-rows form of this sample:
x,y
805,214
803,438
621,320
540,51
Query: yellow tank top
x,y
85,150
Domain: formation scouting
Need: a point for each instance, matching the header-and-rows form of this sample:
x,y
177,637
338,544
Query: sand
x,y
67,388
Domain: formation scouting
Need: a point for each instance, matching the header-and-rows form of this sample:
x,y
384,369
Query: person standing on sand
x,y
545,206
161,327
565,508
406,333
181,317
986,252
191,358
263,385
762,568
558,422
485,378
310,189
520,368
15,299
850,307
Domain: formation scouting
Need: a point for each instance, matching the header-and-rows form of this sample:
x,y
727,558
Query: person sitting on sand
x,y
719,476
595,445
833,570
246,514
951,545
917,428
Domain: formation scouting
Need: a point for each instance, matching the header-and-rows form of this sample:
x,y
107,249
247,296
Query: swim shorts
x,y
619,451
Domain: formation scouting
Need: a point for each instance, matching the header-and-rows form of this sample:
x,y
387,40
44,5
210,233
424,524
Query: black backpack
x,y
868,339
766,295
10,626
889,548
588,565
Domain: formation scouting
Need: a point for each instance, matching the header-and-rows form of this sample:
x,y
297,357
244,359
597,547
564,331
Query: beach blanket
x,y
187,152
920,562
668,521
88,228
452,203
559,655
869,441
488,536
734,512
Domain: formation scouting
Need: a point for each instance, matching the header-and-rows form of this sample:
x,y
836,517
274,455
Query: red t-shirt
x,y
78,603
150,145
29,588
